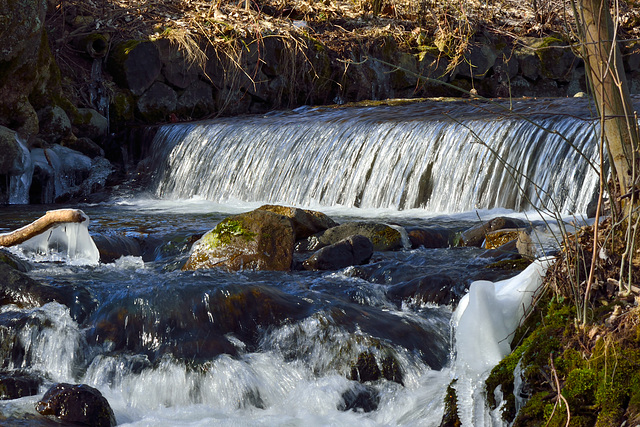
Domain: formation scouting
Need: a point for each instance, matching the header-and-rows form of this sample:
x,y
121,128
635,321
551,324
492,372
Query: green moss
x,y
225,231
450,418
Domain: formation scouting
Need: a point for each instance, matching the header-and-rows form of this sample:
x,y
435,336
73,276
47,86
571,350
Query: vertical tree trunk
x,y
609,84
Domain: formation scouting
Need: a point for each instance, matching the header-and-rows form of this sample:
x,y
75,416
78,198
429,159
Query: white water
x,y
362,158
268,388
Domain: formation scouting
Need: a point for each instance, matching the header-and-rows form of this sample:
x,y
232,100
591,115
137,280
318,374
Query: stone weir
x,y
154,81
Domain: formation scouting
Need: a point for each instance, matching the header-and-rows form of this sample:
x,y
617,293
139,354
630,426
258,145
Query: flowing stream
x,y
173,348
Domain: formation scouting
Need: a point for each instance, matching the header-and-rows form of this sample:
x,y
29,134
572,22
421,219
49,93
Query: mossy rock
x,y
305,222
257,240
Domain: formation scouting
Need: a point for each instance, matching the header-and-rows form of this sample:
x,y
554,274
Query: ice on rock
x,y
484,323
68,242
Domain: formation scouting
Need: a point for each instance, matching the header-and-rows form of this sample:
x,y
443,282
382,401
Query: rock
x,y
54,124
362,398
157,103
13,261
305,222
479,59
258,240
437,289
428,237
26,63
196,101
85,146
200,321
14,385
78,404
383,237
13,158
135,65
180,73
556,58
525,244
508,251
475,235
354,250
91,124
497,238
19,289
366,368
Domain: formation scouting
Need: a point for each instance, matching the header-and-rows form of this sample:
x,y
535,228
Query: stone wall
x,y
157,83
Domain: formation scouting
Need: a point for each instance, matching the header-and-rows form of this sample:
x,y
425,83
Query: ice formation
x,y
484,323
68,242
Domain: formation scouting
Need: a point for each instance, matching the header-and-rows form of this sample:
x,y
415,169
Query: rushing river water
x,y
171,348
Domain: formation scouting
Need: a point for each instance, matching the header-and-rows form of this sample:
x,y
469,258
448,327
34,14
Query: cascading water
x,y
359,346
450,158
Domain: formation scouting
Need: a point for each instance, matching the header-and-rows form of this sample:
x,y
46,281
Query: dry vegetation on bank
x,y
338,24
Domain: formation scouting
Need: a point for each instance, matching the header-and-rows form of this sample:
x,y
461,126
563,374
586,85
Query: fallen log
x,y
42,224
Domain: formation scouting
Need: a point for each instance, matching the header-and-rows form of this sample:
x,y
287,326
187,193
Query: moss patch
x,y
225,231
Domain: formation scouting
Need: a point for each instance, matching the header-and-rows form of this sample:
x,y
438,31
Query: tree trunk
x,y
609,84
40,225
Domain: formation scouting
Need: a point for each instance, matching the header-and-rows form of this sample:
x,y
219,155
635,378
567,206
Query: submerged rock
x,y
362,398
77,404
383,236
438,289
257,240
305,222
354,250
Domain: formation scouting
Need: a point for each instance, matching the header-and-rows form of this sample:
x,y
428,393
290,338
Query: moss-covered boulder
x,y
305,222
157,103
257,240
475,235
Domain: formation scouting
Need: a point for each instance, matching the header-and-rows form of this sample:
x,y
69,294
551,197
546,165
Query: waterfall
x,y
440,157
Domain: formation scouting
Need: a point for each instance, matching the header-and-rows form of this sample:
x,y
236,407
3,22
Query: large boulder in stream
x,y
383,236
305,222
76,404
256,240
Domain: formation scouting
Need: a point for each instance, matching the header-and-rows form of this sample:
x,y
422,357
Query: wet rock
x,y
438,289
525,245
85,146
13,261
91,124
157,103
497,238
366,368
14,385
54,124
383,237
256,240
135,65
78,404
475,235
508,251
305,222
391,370
354,250
19,289
194,323
428,237
361,398
12,158
112,247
